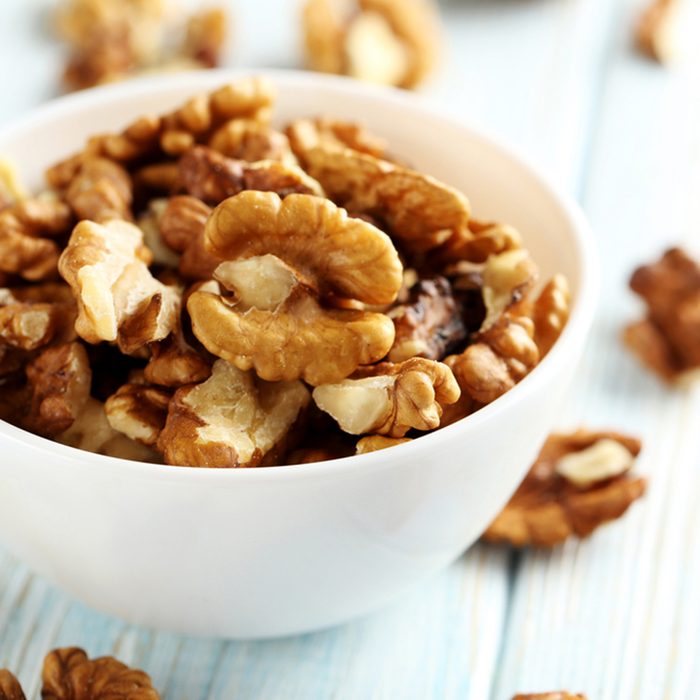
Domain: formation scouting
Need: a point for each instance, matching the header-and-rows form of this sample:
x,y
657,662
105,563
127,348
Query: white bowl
x,y
274,551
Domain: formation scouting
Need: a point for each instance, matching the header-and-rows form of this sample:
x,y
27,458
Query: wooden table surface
x,y
616,616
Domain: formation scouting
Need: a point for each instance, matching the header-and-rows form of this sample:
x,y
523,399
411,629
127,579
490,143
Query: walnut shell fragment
x,y
276,325
68,674
391,42
338,255
668,340
117,297
10,689
390,399
420,211
232,419
578,482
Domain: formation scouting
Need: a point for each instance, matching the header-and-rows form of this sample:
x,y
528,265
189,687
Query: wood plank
x,y
616,616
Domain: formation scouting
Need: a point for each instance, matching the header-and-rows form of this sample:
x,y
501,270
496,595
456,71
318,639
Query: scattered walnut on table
x,y
118,298
393,42
668,340
10,689
390,399
578,482
233,419
68,674
428,324
655,32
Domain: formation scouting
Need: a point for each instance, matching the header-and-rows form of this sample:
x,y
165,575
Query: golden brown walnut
x,y
11,187
578,482
390,399
372,443
428,324
233,419
252,140
59,382
68,674
92,432
212,177
484,238
117,297
656,29
668,341
550,312
392,42
275,325
101,190
205,36
306,134
336,254
556,695
10,689
150,224
421,212
161,177
175,132
175,362
27,326
138,411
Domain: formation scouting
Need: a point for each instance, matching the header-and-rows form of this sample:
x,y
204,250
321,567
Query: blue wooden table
x,y
616,616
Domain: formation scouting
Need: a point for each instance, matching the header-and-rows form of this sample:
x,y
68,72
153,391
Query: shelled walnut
x,y
558,695
656,29
578,482
667,341
216,269
394,42
10,689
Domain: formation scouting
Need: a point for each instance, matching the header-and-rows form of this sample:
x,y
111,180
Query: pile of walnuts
x,y
204,289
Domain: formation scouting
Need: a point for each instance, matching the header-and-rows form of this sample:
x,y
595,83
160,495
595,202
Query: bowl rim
x,y
575,331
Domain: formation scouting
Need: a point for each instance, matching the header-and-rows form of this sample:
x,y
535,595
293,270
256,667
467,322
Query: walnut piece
x,y
139,411
484,238
577,483
212,177
252,140
429,324
391,42
550,312
11,187
68,674
557,695
655,33
336,254
372,443
117,297
277,326
668,341
421,212
232,419
10,689
390,399
101,190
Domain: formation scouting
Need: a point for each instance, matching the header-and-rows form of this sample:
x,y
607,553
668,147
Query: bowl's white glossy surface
x,y
263,552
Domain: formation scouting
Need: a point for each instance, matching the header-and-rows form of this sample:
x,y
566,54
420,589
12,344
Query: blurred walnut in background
x,y
391,42
111,40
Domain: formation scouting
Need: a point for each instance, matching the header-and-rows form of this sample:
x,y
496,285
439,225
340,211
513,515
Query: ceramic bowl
x,y
249,553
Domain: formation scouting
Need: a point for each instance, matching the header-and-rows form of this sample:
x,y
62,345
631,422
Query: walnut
x,y
10,689
307,134
656,29
390,399
68,674
550,312
335,254
428,324
252,140
498,360
205,36
668,341
484,238
91,431
211,177
277,326
150,224
558,695
11,187
372,443
577,483
175,132
59,382
232,419
139,411
117,297
101,190
393,42
161,177
421,212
